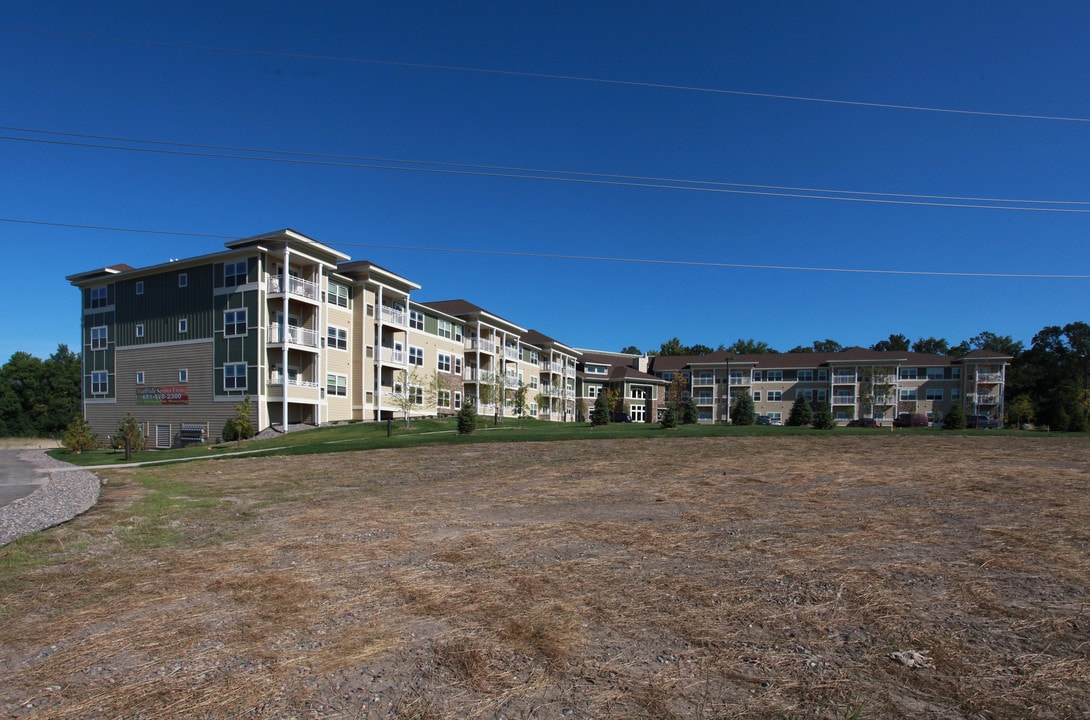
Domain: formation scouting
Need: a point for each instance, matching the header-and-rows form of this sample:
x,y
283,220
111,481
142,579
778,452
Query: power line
x,y
552,76
588,178
593,258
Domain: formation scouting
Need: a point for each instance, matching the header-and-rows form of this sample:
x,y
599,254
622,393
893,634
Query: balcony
x,y
296,336
551,367
511,381
392,316
705,400
511,353
739,380
986,399
704,381
391,356
297,286
843,400
884,379
843,379
478,344
986,377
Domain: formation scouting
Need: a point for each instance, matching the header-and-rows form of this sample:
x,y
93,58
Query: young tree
x,y
687,412
129,430
521,403
823,417
240,427
742,411
955,419
1020,410
599,415
408,396
801,412
467,419
437,384
669,418
78,436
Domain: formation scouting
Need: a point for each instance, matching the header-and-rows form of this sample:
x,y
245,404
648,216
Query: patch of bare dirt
x,y
679,578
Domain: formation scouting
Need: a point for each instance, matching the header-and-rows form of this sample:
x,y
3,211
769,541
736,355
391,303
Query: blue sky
x,y
404,81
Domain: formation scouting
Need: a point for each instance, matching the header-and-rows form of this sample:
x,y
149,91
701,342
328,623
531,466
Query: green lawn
x,y
367,436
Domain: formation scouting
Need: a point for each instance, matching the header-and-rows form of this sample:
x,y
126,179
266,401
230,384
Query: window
x,y
955,373
99,337
336,385
533,382
183,280
338,294
775,396
458,401
139,287
234,376
908,373
443,399
908,394
416,356
775,376
235,274
336,338
806,375
234,323
443,362
822,395
593,390
776,417
139,377
756,376
183,325
808,394
604,370
458,333
933,393
416,320
458,364
99,382
667,375
756,396
183,375
822,375
934,373
416,395
955,394
444,329
139,330
98,297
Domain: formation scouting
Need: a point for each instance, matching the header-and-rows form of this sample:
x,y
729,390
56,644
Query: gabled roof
x,y
292,239
541,340
92,275
467,310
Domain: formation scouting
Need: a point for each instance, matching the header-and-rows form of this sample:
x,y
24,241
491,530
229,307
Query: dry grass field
x,y
754,577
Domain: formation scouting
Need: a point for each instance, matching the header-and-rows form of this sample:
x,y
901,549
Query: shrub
x,y
78,436
669,417
599,415
742,411
955,419
687,412
801,412
127,428
823,417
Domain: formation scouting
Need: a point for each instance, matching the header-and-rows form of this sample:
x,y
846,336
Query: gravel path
x,y
71,491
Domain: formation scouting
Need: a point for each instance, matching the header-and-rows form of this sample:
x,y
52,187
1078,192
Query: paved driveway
x,y
18,478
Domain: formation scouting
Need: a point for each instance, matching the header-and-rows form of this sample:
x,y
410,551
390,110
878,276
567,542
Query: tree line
x,y
1048,383
39,398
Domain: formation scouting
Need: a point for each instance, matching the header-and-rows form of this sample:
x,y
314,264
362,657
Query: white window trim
x,y
183,375
414,354
100,343
245,322
183,325
235,378
335,336
183,280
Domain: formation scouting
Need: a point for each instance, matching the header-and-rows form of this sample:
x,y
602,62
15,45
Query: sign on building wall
x,y
163,395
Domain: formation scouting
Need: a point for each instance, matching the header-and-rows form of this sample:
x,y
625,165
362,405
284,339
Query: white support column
x,y
285,287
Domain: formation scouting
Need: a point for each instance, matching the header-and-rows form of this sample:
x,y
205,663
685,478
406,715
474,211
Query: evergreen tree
x,y
823,417
801,412
78,436
742,411
955,419
467,418
128,429
599,415
669,418
687,413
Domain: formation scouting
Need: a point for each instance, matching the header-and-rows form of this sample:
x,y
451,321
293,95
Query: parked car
x,y
981,422
764,420
911,420
863,422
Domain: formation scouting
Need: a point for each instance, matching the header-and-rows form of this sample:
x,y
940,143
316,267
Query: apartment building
x,y
309,335
856,382
313,337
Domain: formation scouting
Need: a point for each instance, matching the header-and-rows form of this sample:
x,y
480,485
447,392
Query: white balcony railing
x,y
296,286
392,316
843,400
276,380
987,399
511,353
843,379
739,381
703,400
987,377
392,355
551,367
296,335
478,344
511,381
